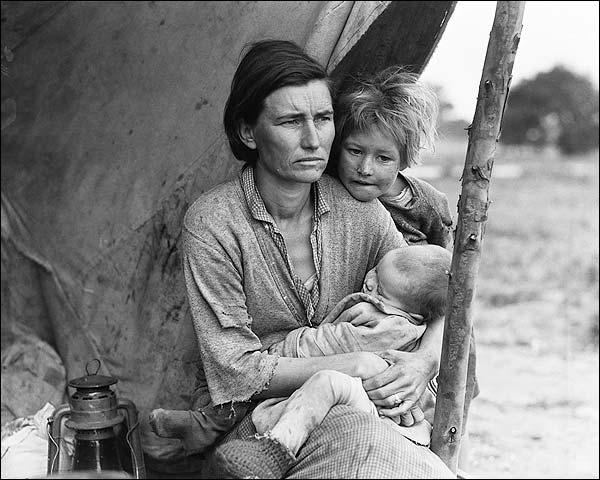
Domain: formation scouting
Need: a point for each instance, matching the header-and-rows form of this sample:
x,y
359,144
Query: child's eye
x,y
385,159
353,151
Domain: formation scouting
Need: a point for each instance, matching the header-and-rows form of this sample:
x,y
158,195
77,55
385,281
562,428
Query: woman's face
x,y
294,133
368,164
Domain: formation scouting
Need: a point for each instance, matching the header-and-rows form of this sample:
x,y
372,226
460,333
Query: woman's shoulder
x,y
214,205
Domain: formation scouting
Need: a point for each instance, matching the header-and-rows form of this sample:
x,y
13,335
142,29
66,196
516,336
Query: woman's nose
x,y
310,137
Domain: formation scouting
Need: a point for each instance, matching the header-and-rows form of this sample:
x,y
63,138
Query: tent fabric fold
x,y
117,130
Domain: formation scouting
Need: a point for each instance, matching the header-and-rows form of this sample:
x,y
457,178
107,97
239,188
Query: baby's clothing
x,y
393,329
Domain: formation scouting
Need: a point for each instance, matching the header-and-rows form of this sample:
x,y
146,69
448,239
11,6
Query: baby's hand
x,y
360,314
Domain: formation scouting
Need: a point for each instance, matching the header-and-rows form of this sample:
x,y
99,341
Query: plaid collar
x,y
257,206
309,299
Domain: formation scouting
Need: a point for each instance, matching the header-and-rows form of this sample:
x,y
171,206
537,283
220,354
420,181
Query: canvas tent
x,y
111,128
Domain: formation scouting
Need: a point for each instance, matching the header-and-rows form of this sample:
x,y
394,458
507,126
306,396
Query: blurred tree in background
x,y
556,108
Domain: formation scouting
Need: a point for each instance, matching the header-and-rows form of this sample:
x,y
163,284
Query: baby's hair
x,y
396,102
428,268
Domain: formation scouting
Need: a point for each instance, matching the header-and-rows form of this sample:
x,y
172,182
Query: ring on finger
x,y
397,399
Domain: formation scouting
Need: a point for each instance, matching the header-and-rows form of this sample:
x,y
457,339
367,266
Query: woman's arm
x,y
291,373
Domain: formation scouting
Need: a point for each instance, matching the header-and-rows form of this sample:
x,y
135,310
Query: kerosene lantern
x,y
107,435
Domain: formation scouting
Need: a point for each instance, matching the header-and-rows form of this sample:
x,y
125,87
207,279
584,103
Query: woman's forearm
x,y
291,373
430,347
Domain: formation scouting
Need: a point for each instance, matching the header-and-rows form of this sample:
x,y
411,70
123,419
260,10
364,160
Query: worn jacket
x,y
240,289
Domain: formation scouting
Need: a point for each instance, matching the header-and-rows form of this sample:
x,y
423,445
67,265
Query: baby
x,y
409,284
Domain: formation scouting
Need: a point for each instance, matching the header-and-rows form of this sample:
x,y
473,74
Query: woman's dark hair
x,y
268,65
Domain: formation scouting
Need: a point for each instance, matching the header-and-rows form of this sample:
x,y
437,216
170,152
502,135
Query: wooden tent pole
x,y
472,214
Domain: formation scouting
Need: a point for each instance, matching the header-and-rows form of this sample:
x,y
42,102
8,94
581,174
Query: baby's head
x,y
413,279
382,124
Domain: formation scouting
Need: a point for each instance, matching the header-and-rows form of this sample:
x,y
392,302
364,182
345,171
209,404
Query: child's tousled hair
x,y
397,103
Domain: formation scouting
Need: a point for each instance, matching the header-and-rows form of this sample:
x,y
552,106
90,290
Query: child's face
x,y
369,163
384,282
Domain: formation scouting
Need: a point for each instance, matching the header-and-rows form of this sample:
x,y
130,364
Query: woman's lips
x,y
311,159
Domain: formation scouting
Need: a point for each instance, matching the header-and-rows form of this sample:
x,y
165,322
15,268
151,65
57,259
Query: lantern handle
x,y
87,366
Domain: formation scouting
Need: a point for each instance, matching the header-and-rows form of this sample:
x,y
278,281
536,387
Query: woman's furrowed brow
x,y
289,116
325,111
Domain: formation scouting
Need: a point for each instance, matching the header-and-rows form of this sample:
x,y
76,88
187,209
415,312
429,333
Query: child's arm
x,y
427,218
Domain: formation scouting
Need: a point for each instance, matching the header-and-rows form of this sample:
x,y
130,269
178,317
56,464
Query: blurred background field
x,y
535,310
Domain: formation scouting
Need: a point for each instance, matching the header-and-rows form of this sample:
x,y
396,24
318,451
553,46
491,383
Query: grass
x,y
541,238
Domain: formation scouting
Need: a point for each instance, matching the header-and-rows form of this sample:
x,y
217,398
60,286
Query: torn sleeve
x,y
234,365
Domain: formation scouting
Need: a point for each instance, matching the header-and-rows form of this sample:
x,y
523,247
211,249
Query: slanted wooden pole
x,y
472,215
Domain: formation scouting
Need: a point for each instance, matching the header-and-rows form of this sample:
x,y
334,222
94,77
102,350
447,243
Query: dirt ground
x,y
537,414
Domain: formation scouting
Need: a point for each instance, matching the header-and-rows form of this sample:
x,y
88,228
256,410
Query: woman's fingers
x,y
390,404
417,413
408,418
388,382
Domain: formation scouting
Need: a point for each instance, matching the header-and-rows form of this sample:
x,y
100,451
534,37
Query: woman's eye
x,y
293,121
324,119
